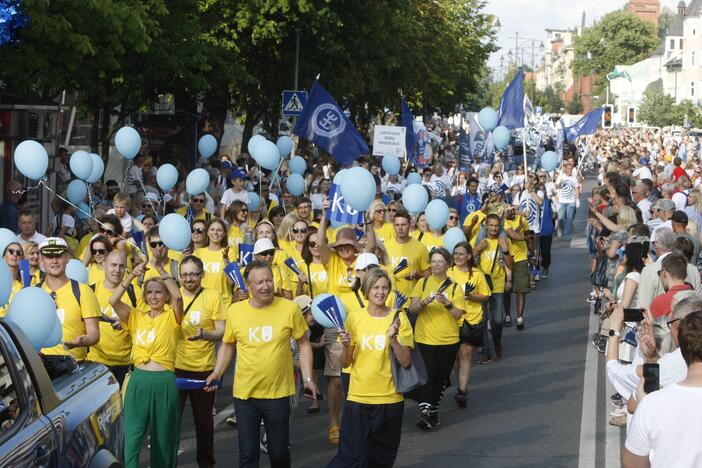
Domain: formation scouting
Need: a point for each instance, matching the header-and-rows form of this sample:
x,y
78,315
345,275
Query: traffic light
x,y
632,116
607,117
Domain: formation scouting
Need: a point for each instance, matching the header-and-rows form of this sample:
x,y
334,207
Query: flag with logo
x,y
245,254
339,211
586,125
528,109
477,136
410,136
464,153
325,124
511,114
233,272
560,136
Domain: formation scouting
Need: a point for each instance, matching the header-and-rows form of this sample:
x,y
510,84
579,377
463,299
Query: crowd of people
x,y
152,314
643,235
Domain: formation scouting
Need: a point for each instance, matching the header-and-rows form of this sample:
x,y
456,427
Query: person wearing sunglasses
x,y
216,256
198,237
159,253
195,210
77,306
94,258
265,251
377,212
237,216
12,255
294,250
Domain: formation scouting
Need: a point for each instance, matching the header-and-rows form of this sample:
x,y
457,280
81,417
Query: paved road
x,y
525,410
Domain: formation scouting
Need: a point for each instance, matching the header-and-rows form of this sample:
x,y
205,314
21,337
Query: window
x,y
680,44
693,58
692,89
9,402
672,44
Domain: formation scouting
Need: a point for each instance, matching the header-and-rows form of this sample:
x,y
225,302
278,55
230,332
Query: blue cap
x,y
643,161
237,174
227,165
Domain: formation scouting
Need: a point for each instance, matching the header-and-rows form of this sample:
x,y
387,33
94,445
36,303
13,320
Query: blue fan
x,y
400,266
232,271
330,309
292,265
400,300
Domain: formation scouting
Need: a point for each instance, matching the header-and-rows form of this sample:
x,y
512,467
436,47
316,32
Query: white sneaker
x,y
520,323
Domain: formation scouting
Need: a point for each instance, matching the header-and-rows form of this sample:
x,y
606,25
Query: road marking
x,y
588,421
578,243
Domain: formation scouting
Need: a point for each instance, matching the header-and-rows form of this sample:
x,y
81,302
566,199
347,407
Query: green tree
x,y
665,21
658,109
575,105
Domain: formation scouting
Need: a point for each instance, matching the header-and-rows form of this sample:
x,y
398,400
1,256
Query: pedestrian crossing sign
x,y
294,103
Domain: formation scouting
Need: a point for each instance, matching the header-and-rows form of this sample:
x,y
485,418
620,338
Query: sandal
x,y
333,436
314,407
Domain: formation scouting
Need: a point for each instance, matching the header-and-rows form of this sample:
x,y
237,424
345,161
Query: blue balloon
x,y
295,184
487,118
501,136
358,188
5,283
413,178
76,191
285,145
391,164
339,176
452,237
254,201
549,161
6,237
415,198
174,231
437,213
167,177
98,169
266,155
298,165
55,336
31,159
75,270
207,146
83,209
81,164
197,182
253,141
128,142
320,317
34,312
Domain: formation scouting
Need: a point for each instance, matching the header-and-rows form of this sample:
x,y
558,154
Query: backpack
x,y
130,292
75,287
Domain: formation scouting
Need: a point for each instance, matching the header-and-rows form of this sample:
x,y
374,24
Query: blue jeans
x,y
494,309
566,215
276,417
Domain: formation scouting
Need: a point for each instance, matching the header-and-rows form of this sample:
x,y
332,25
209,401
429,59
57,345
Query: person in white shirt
x,y
666,429
235,192
643,172
638,194
567,184
666,208
27,223
441,182
135,176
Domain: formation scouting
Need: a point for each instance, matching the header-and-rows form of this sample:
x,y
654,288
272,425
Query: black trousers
x,y
545,249
438,360
201,403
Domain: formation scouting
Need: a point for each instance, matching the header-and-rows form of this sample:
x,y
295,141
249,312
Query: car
x,y
55,412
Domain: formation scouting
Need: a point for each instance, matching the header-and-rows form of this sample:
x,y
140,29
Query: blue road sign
x,y
294,103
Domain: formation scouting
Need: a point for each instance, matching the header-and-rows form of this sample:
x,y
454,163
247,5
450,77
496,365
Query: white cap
x,y
263,245
366,259
304,302
151,197
53,244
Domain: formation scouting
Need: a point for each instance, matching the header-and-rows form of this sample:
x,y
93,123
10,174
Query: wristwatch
x,y
613,332
448,306
307,380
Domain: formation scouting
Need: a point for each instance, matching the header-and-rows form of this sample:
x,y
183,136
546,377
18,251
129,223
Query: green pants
x,y
151,402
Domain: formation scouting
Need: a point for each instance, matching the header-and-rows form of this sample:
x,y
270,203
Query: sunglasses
x,y
15,252
453,217
198,231
52,254
267,253
156,244
392,210
380,211
107,232
312,245
197,200
98,251
190,275
145,205
671,322
299,230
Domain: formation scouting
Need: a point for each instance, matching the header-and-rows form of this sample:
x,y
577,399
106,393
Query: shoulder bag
x,y
407,379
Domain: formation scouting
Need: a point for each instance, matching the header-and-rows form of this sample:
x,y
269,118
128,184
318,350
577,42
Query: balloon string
x,y
143,188
28,189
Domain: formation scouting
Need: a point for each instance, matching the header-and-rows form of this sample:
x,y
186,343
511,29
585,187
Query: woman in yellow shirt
x,y
377,212
12,255
313,280
31,253
299,234
198,238
372,421
236,215
203,325
438,303
426,235
476,290
94,258
151,398
215,256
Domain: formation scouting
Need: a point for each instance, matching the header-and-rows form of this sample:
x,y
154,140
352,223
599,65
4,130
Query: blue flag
x,y
512,103
340,212
324,123
410,137
585,126
245,254
465,156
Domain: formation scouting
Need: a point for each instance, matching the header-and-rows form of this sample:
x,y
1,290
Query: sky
x,y
530,18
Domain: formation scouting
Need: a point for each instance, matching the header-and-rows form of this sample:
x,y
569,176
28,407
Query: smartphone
x,y
308,394
651,373
633,315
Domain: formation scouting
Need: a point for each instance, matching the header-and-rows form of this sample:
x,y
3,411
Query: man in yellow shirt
x,y
517,230
196,209
260,329
403,247
76,304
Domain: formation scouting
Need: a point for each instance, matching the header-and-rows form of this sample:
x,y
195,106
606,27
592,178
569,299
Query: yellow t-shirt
x,y
264,364
472,283
72,316
371,374
95,274
16,287
341,279
115,346
198,356
417,261
204,214
83,244
384,233
235,236
518,249
317,276
487,260
430,240
215,277
284,269
476,227
435,325
154,339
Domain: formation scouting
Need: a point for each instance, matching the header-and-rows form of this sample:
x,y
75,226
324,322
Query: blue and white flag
x,y
25,273
560,136
234,274
511,114
464,155
410,136
528,109
245,254
325,124
585,126
339,211
477,137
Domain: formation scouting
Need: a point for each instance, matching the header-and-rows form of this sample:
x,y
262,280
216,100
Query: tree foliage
x,y
660,110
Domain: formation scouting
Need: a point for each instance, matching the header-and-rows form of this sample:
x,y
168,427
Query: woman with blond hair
x,y
284,230
694,209
377,213
31,253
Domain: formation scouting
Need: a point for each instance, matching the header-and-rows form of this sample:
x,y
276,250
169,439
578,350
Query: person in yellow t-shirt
x,y
31,253
151,393
427,236
196,209
94,258
199,235
476,292
237,216
474,221
438,303
203,325
76,305
314,278
403,247
493,251
377,212
265,251
261,329
299,234
161,255
373,410
12,255
114,349
216,257
517,229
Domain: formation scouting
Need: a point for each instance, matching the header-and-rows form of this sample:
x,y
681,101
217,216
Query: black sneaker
x,y
599,343
434,418
424,421
508,321
461,399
